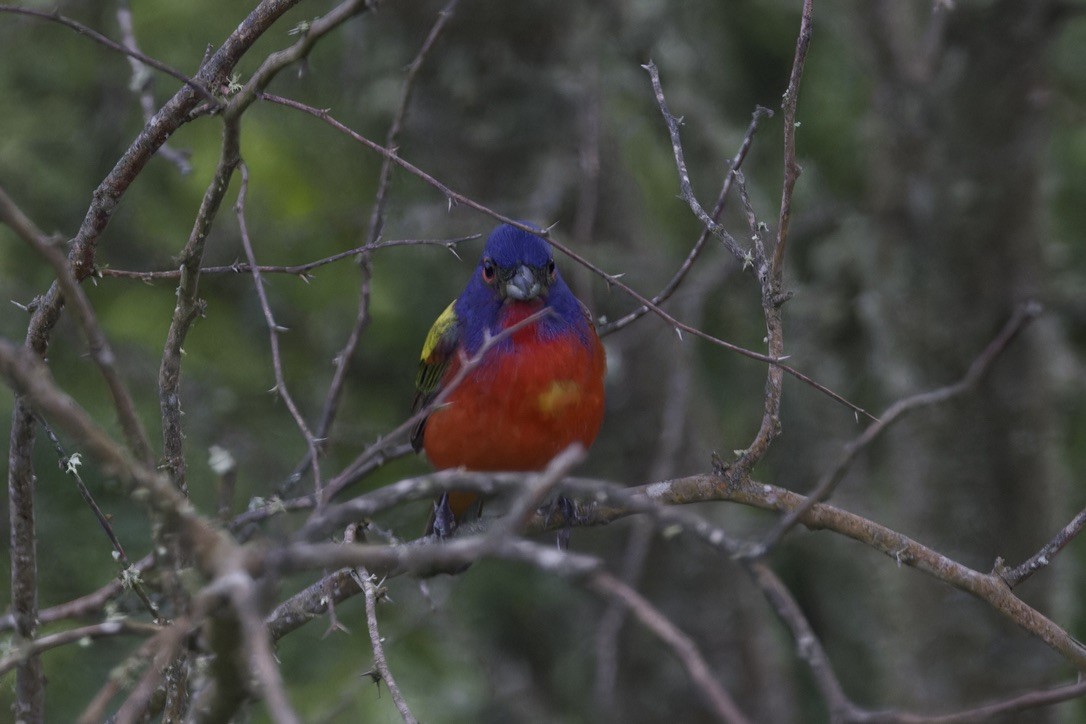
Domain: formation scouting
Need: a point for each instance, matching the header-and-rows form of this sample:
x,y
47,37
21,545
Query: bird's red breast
x,y
522,404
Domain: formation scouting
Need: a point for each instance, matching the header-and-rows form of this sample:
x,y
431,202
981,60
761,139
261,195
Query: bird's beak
x,y
524,284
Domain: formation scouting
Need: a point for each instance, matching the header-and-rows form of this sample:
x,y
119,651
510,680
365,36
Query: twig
x,y
141,85
189,307
770,426
369,590
454,553
808,647
273,333
29,377
312,601
169,118
720,702
686,191
791,168
132,52
537,488
1022,702
1020,318
1042,558
105,629
281,59
611,279
664,294
989,588
299,270
257,642
164,646
84,605
129,576
76,298
29,704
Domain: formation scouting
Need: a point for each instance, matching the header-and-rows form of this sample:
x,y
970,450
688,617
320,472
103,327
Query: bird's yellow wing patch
x,y
559,395
445,321
436,352
438,349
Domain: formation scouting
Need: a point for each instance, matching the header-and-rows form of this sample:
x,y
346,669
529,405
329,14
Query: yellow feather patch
x,y
446,320
558,396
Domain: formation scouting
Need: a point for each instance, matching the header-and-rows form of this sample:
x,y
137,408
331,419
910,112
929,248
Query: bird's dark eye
x,y
552,270
488,271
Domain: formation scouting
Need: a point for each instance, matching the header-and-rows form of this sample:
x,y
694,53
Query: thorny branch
x,y
791,168
131,51
273,334
370,591
734,166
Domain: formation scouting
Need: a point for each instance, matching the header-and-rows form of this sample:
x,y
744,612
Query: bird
x,y
531,393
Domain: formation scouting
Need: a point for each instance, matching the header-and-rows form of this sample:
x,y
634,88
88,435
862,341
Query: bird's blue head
x,y
516,273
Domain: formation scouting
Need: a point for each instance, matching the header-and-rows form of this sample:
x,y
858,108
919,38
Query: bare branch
x,y
664,294
188,308
369,590
808,646
273,334
686,191
299,270
132,52
85,605
100,349
164,646
141,84
129,575
721,704
1042,558
105,629
261,658
791,168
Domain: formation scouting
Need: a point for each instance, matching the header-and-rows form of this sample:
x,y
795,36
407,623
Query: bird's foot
x,y
564,510
442,520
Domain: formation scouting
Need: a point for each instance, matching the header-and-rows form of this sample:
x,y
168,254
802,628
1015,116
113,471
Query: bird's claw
x,y
565,510
444,524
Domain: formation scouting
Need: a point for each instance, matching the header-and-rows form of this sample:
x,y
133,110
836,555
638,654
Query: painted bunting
x,y
531,395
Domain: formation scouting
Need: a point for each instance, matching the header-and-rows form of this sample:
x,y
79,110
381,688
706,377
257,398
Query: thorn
x,y
452,250
549,228
679,332
333,627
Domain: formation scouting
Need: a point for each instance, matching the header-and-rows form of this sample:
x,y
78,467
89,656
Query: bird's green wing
x,y
437,351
